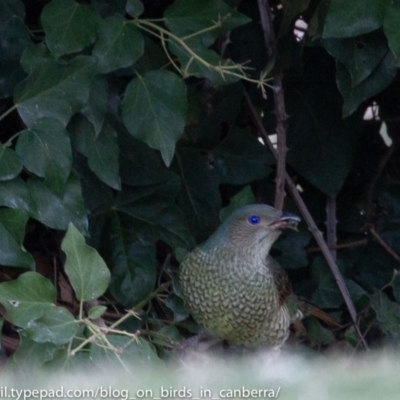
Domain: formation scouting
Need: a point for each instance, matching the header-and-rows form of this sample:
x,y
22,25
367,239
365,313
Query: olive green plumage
x,y
234,288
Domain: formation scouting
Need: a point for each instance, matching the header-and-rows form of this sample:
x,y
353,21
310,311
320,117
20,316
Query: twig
x,y
311,224
279,100
361,242
331,223
376,235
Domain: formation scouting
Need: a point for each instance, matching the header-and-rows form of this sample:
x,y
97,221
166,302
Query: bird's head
x,y
254,226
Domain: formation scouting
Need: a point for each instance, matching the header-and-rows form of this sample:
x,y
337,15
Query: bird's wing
x,y
281,280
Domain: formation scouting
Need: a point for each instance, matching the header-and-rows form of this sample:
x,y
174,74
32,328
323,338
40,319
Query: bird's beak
x,y
286,221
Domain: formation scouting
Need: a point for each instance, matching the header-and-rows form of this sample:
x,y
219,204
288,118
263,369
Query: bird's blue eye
x,y
254,219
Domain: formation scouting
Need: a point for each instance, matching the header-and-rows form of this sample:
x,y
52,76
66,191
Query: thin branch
x,y
341,246
311,224
279,100
376,235
9,111
331,223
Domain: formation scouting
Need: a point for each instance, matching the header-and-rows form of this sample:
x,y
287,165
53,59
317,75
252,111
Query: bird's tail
x,y
323,316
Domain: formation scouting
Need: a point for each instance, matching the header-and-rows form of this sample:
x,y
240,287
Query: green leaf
x,y
96,312
69,26
134,8
139,350
380,78
154,110
96,107
12,233
119,45
322,145
396,286
350,19
45,150
32,353
57,212
140,165
293,247
10,9
178,306
14,38
57,325
10,164
102,151
387,313
153,216
53,89
15,194
391,29
327,294
133,264
242,198
317,334
27,298
210,65
199,197
359,55
240,158
186,17
86,270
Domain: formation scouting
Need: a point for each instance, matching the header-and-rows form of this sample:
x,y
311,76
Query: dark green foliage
x,y
125,122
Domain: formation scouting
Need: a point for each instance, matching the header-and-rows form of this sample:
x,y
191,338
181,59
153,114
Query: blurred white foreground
x,y
374,376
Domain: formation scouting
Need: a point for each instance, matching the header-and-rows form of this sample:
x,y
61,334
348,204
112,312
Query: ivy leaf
x,y
12,232
184,17
15,194
27,298
360,55
293,247
327,294
53,89
324,152
396,286
96,312
192,66
57,325
140,165
153,216
134,8
96,107
350,19
69,26
387,313
139,350
199,197
240,158
57,212
86,270
32,353
380,78
317,334
102,151
391,29
119,45
14,38
154,110
133,264
45,150
10,164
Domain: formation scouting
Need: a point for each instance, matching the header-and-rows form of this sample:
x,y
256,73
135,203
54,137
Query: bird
x,y
234,288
